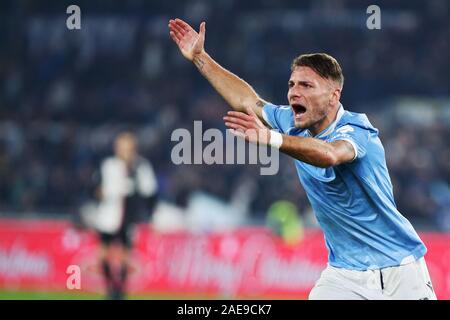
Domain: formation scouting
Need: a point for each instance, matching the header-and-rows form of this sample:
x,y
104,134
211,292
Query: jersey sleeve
x,y
278,117
147,181
358,137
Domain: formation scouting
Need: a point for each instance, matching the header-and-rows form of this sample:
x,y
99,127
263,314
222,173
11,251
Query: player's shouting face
x,y
311,98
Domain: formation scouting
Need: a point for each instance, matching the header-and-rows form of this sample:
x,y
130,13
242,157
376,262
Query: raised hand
x,y
247,126
188,40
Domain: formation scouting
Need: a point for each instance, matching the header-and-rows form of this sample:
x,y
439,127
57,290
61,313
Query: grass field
x,y
22,295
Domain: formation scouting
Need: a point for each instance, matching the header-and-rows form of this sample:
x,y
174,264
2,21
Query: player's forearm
x,y
310,150
236,92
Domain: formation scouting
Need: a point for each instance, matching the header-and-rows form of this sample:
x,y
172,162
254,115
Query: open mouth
x,y
298,109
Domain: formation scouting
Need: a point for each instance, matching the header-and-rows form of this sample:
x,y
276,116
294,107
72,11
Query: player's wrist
x,y
276,139
199,57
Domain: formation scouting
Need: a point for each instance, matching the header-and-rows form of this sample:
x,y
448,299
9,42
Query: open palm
x,y
247,126
188,40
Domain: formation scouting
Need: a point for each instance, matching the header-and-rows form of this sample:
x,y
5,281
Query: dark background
x,y
65,94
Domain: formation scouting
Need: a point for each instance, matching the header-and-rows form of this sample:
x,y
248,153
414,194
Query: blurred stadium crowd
x,y
65,94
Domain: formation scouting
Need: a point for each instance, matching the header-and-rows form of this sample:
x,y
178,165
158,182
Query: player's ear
x,y
335,96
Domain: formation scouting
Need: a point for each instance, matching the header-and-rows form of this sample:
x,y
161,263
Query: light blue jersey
x,y
353,202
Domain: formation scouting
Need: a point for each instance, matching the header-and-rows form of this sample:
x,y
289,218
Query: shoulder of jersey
x,y
350,119
111,161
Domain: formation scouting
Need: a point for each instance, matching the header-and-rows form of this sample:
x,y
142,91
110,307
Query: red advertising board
x,y
248,262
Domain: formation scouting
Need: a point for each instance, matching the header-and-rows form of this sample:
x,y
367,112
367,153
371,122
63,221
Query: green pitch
x,y
22,295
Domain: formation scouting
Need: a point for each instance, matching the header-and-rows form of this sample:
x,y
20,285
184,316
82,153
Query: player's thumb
x,y
202,29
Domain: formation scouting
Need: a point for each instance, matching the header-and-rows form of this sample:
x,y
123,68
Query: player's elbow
x,y
329,159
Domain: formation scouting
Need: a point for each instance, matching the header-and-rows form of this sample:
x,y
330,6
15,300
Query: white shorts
x,y
406,282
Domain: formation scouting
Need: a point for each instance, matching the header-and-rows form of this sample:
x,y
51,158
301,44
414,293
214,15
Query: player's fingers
x,y
236,116
253,114
234,126
241,115
238,121
174,37
176,28
180,32
172,24
238,133
183,25
179,35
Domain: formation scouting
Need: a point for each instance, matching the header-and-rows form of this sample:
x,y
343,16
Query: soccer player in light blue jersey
x,y
373,251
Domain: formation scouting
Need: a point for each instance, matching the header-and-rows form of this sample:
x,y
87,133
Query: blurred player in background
x,y
128,193
374,252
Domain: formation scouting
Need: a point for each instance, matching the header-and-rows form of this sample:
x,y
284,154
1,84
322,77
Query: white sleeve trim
x,y
354,148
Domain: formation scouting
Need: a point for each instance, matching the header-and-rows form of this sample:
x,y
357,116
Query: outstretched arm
x,y
310,150
236,92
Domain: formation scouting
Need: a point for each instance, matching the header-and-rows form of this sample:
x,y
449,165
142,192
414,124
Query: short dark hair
x,y
323,64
